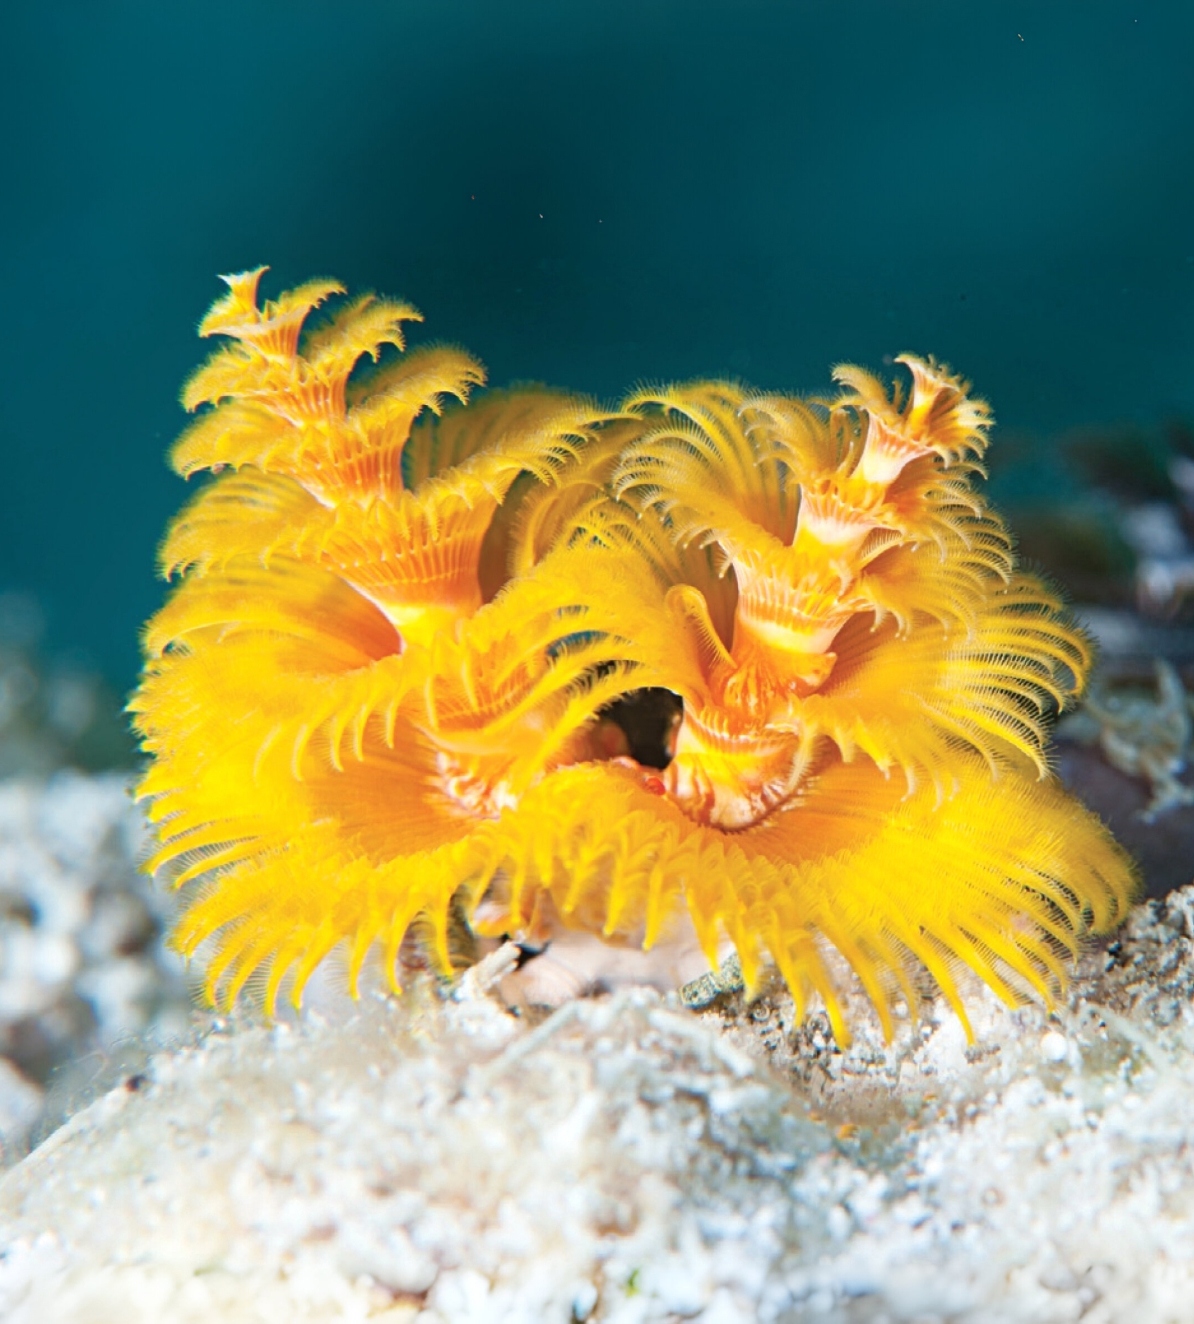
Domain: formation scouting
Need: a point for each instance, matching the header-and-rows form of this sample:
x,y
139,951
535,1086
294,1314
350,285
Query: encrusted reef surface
x,y
436,1159
85,981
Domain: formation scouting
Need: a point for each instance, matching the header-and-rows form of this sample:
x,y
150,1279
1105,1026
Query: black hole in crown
x,y
648,719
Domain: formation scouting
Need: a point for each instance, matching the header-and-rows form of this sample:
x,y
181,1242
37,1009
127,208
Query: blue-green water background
x,y
585,192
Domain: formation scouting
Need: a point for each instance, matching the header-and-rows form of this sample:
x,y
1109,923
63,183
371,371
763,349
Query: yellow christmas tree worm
x,y
876,597
866,728
327,698
382,688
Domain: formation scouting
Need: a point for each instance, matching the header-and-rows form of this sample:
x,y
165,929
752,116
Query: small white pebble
x,y
584,1300
839,1223
1054,1047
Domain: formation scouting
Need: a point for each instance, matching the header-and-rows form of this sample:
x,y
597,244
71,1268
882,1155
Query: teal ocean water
x,y
587,194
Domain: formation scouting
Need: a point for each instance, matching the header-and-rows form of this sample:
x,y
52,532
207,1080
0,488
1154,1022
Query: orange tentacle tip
x,y
709,669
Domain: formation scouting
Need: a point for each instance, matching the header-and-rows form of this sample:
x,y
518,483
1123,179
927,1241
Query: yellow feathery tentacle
x,y
907,700
272,331
707,473
246,513
286,597
645,537
937,415
945,580
545,516
288,909
530,429
1004,878
417,554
